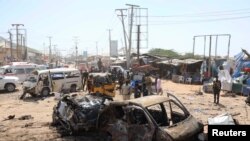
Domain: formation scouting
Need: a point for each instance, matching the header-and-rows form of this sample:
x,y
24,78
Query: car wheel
x,y
54,119
45,92
10,87
23,95
73,88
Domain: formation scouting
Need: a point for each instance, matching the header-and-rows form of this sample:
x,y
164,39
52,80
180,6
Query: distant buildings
x,y
24,54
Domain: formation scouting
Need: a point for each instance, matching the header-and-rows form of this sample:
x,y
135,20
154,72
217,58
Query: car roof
x,y
99,74
58,70
150,100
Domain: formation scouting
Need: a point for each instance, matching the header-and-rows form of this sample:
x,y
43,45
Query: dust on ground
x,y
37,126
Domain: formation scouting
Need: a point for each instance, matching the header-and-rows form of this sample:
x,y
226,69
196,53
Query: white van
x,y
18,69
53,80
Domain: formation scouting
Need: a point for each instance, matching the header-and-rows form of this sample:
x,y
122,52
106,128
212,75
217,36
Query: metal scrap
x,y
25,117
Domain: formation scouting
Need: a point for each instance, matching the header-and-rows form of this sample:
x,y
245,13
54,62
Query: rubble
x,y
25,117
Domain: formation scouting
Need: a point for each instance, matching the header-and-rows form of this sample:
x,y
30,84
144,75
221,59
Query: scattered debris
x,y
25,117
27,125
235,114
223,119
9,117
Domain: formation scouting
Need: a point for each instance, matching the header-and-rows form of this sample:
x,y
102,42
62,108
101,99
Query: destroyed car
x,y
79,113
43,82
148,118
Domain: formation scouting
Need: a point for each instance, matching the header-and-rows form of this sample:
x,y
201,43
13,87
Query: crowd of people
x,y
129,83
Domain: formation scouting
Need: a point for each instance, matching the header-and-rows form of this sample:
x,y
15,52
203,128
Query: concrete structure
x,y
33,55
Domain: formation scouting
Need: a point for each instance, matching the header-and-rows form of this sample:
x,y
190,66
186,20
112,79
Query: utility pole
x,y
50,56
96,43
216,43
228,50
55,55
76,50
11,55
21,47
209,63
109,45
124,34
109,42
131,28
44,51
17,48
193,45
205,46
138,43
25,49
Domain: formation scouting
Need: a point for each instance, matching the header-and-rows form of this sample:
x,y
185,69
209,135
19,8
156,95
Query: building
x,y
24,54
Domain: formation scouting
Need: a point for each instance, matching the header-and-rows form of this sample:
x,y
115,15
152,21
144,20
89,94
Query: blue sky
x,y
90,19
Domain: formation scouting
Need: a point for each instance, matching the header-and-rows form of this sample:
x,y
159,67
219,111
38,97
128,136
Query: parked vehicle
x,y
18,69
103,84
8,83
53,80
119,68
150,118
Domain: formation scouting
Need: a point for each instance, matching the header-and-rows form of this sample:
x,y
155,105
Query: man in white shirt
x,y
125,91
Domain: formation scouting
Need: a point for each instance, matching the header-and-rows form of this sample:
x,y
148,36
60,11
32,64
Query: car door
x,y
20,73
126,123
57,81
140,126
1,83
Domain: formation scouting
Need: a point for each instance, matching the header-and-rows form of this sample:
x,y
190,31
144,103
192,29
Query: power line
x,y
210,15
199,21
207,13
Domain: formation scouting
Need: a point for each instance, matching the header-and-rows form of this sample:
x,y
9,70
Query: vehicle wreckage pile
x,y
147,118
79,113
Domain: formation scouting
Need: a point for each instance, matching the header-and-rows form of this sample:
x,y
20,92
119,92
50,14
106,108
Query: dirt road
x,y
38,126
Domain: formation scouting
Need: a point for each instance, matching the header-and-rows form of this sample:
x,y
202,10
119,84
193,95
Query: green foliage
x,y
164,52
172,54
190,55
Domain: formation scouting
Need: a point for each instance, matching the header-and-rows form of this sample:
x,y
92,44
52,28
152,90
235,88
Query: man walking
x,y
216,89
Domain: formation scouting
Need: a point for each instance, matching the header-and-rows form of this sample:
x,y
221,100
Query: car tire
x,y
10,87
55,120
45,92
73,88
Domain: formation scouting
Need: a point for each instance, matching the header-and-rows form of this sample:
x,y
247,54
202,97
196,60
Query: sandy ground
x,y
38,128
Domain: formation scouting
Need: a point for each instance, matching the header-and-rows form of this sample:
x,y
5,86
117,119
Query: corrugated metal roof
x,y
177,62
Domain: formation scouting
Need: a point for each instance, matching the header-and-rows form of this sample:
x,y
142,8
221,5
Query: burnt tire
x,y
10,87
73,88
45,92
55,120
23,95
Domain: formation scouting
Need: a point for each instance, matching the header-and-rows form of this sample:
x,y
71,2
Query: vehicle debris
x,y
77,113
27,125
143,119
25,117
223,119
9,117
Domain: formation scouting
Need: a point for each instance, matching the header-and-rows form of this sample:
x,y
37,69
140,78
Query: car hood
x,y
29,84
10,78
184,130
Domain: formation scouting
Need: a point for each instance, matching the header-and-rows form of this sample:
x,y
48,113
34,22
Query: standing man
x,y
137,92
85,76
100,65
125,91
216,89
148,82
158,86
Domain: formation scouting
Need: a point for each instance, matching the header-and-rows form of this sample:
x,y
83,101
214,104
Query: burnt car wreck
x,y
158,118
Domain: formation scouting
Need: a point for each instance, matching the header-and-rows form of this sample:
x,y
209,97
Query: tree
x,y
190,55
164,52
